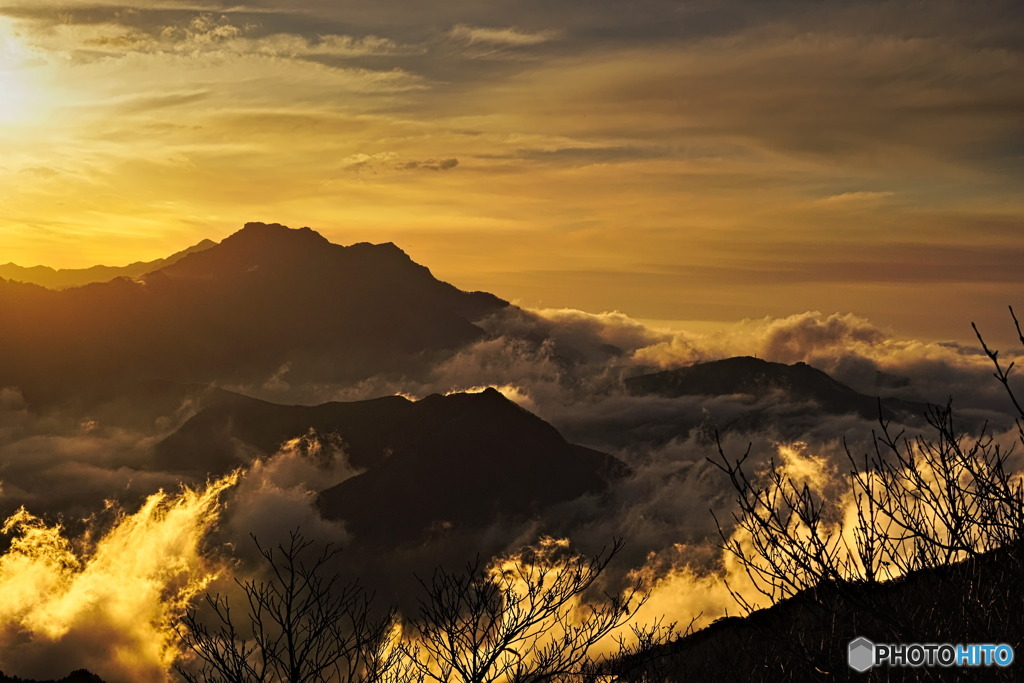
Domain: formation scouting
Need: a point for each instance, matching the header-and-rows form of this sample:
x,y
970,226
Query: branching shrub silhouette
x,y
302,626
925,545
919,502
526,618
519,620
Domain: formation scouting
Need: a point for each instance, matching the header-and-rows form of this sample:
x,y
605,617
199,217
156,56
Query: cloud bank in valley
x,y
565,362
566,365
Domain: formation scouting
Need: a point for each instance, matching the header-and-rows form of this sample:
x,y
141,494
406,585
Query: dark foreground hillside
x,y
77,676
805,638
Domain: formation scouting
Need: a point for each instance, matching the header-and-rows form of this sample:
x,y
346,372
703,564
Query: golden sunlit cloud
x,y
111,606
500,36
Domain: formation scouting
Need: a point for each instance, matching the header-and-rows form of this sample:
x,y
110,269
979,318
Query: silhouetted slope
x,y
61,278
77,676
469,460
805,638
760,379
234,429
267,299
460,460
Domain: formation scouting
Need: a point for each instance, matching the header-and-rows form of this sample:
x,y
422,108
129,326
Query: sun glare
x,y
19,96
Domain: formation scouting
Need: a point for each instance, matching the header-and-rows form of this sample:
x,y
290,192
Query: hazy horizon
x,y
989,312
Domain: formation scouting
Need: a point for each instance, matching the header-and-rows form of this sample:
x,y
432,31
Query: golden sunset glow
x,y
679,163
662,310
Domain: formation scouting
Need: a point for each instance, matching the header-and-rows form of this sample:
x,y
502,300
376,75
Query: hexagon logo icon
x,y
861,654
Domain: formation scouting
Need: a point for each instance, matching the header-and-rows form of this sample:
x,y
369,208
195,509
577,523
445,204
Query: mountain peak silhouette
x,y
465,459
275,232
297,258
264,299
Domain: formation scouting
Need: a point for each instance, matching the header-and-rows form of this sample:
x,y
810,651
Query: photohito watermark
x,y
863,654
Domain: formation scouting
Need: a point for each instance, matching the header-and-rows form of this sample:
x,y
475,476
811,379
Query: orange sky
x,y
674,160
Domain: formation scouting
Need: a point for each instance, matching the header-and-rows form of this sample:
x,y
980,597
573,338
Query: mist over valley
x,y
276,382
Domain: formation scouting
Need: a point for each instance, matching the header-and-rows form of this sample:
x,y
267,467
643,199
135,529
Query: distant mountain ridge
x,y
266,301
62,278
760,379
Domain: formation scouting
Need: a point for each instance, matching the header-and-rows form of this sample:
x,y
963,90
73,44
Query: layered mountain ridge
x,y
62,278
266,300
